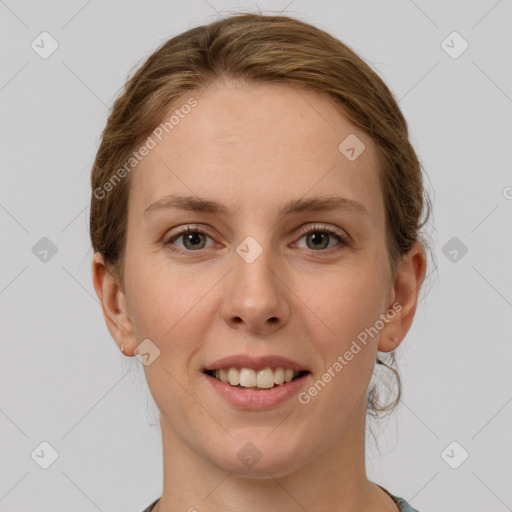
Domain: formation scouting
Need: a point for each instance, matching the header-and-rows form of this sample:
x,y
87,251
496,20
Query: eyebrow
x,y
312,204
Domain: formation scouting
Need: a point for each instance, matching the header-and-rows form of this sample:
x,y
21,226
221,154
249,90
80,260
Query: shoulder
x,y
402,504
149,507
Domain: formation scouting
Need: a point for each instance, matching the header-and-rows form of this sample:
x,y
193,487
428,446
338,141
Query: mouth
x,y
256,379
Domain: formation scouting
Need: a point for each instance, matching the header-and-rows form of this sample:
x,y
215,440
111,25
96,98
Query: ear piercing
x,y
395,339
122,348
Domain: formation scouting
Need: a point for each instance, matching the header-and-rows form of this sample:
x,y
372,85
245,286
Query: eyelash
x,y
317,228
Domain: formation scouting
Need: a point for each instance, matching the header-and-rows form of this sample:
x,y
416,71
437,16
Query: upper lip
x,y
255,362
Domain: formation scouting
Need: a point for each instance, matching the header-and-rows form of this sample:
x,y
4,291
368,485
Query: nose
x,y
256,297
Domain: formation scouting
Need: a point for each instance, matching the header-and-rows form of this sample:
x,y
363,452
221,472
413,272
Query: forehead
x,y
251,146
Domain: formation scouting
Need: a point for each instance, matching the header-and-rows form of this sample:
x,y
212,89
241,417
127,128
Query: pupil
x,y
314,238
193,238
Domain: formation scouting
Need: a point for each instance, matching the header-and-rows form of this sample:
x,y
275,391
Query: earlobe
x,y
405,291
114,305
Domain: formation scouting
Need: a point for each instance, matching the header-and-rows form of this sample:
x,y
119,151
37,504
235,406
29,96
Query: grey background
x,y
62,379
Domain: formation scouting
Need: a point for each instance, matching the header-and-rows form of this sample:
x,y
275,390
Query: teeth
x,y
266,378
288,375
247,378
233,377
278,376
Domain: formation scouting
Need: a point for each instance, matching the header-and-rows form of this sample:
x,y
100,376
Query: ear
x,y
403,297
114,305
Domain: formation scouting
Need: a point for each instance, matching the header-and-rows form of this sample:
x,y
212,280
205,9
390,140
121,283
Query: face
x,y
259,278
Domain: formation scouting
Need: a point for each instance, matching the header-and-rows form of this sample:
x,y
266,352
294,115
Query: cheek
x,y
152,302
341,307
169,303
343,302
156,294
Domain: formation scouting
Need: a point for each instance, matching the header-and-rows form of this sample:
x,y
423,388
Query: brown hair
x,y
259,49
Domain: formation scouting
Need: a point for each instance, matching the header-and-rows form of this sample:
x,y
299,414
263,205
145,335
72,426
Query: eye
x,y
193,239
317,237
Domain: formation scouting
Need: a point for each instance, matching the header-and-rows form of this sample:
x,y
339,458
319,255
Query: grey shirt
x,y
403,506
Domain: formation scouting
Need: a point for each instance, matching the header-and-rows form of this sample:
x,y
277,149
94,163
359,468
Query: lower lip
x,y
257,400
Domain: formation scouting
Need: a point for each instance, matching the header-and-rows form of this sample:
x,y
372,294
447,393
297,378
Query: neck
x,y
334,479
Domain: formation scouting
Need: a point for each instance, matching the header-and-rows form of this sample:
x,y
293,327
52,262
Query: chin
x,y
257,456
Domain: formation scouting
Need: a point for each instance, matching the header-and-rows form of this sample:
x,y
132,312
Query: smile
x,y
248,378
251,397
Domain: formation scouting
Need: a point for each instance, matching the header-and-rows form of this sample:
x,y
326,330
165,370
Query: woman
x,y
255,217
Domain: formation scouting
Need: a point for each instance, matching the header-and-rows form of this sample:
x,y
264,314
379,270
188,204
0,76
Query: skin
x,y
253,148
